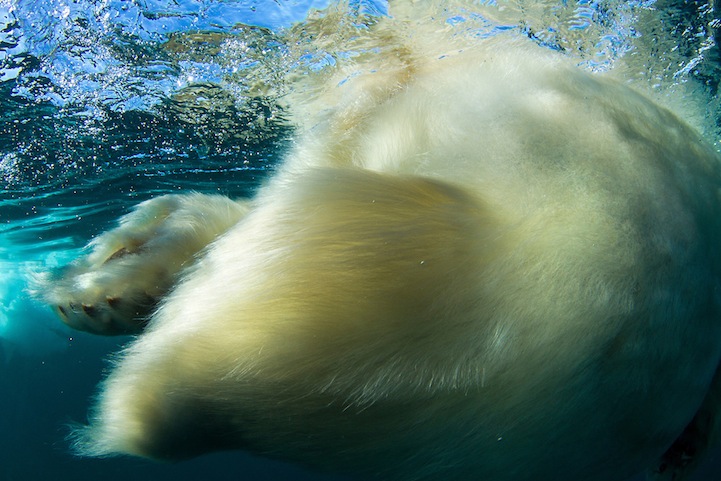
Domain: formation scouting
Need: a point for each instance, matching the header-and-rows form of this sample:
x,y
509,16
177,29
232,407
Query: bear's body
x,y
491,266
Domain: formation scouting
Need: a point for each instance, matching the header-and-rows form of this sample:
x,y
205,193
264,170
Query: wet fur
x,y
490,266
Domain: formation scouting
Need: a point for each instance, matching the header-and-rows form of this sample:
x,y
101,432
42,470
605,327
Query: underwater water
x,y
107,103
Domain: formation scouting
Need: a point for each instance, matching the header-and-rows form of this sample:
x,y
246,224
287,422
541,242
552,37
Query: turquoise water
x,y
104,104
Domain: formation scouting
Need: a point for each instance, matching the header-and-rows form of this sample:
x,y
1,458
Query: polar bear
x,y
486,264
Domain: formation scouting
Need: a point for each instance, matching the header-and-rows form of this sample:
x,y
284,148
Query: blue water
x,y
104,104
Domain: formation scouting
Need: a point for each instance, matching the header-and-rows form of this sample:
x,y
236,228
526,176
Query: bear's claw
x,y
90,310
114,316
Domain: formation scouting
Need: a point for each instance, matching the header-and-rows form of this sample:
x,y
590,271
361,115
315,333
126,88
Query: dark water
x,y
107,103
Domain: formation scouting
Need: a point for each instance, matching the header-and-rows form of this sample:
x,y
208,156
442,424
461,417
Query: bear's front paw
x,y
116,296
117,285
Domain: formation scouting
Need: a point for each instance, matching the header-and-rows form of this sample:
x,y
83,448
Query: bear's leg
x,y
115,287
701,434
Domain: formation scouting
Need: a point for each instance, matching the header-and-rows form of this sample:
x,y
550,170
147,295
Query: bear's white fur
x,y
483,265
